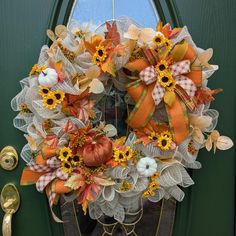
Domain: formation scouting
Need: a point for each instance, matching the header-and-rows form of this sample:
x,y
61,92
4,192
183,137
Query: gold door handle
x,y
10,202
8,158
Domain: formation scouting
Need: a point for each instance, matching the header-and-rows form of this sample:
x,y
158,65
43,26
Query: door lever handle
x,y
10,202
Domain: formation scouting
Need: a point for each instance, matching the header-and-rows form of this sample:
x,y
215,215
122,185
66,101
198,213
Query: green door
x,y
208,207
23,32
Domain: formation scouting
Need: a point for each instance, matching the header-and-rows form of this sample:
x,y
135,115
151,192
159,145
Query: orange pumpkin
x,y
98,151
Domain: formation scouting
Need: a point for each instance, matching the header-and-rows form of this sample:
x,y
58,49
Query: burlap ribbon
x,y
147,92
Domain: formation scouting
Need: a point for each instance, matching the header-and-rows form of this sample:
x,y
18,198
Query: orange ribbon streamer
x,y
144,107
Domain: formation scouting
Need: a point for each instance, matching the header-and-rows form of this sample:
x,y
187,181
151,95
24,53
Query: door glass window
x,y
142,11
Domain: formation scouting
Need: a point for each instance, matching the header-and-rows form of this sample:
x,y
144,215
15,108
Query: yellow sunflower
x,y
168,45
44,91
148,193
76,159
153,185
171,86
24,108
36,69
153,136
161,66
159,39
164,142
128,153
119,155
59,95
167,134
165,78
125,186
49,101
65,153
155,175
66,167
100,55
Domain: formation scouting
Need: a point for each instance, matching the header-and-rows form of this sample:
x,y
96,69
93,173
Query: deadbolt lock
x,y
8,158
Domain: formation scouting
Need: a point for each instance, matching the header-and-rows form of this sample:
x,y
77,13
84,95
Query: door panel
x,y
208,208
23,32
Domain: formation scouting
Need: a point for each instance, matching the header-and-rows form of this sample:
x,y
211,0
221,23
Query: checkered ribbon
x,y
149,75
53,171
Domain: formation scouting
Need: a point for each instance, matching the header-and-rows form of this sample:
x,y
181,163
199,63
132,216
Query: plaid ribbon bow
x,y
185,87
53,171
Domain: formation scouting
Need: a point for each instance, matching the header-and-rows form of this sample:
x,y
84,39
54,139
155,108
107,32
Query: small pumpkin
x,y
48,78
98,151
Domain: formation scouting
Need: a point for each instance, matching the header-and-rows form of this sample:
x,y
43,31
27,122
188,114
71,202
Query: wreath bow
x,y
185,87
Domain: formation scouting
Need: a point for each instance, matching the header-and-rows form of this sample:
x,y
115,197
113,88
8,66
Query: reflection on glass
x,y
98,11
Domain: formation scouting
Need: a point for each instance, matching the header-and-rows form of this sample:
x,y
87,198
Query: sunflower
x,y
65,153
128,152
59,95
43,91
159,39
161,66
49,101
24,108
166,134
36,69
168,45
125,186
153,185
153,136
171,86
119,155
155,175
76,159
100,55
66,167
164,142
148,193
165,78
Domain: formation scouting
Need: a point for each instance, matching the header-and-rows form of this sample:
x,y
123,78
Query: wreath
x,y
114,117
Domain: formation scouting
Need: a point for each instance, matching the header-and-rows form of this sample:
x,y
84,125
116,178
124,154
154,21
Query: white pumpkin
x,y
48,78
146,166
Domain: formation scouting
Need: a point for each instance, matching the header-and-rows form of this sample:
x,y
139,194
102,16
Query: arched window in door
x,y
142,11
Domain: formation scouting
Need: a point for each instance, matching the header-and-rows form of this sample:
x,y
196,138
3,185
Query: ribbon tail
x,y
178,120
29,177
52,197
185,98
145,105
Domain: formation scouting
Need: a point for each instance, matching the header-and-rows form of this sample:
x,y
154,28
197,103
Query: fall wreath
x,y
116,115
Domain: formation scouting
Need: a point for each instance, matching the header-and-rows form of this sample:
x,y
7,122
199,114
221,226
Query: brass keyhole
x,y
8,158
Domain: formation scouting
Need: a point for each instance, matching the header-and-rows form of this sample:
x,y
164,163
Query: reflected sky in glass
x,y
142,11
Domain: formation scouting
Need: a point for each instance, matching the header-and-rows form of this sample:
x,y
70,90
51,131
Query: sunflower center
x,y
127,153
45,91
58,96
100,52
50,101
120,156
65,154
164,79
67,165
162,67
76,158
163,142
157,39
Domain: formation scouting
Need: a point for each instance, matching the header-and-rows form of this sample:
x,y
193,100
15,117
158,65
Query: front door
x,y
208,206
23,32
